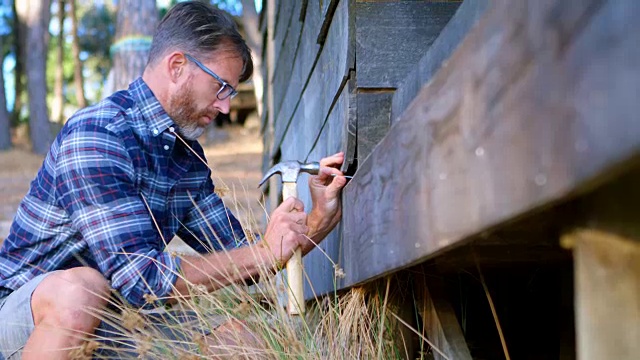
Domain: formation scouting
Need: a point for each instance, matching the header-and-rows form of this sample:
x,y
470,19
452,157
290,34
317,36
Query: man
x,y
88,223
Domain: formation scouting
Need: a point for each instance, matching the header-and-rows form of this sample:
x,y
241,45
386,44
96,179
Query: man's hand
x,y
286,230
325,194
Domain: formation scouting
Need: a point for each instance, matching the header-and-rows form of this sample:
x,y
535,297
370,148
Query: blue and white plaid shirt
x,y
86,206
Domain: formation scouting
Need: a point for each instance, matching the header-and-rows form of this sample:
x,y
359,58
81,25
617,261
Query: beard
x,y
185,113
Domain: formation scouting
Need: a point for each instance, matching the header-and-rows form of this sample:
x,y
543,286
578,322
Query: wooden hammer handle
x,y
294,265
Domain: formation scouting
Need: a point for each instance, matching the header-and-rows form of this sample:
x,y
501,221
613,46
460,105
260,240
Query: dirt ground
x,y
234,154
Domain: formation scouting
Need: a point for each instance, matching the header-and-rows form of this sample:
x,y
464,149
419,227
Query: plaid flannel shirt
x,y
86,206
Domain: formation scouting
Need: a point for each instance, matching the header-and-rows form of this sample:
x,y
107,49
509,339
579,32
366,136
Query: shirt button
x,y
155,131
166,147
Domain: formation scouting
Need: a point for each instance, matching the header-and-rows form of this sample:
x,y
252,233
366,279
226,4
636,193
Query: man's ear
x,y
176,65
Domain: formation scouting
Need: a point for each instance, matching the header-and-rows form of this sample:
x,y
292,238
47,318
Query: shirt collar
x,y
157,119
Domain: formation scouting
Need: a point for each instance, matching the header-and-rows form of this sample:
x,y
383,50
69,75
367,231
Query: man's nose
x,y
223,106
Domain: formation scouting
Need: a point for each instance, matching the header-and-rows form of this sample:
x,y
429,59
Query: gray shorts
x,y
16,325
16,319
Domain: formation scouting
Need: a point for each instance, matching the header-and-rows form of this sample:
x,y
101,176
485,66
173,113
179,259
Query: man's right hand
x,y
287,230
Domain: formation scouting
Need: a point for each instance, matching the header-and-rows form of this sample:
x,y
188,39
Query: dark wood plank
x,y
439,319
536,104
307,53
349,138
607,295
374,113
328,78
268,62
392,36
320,269
284,17
263,18
328,8
450,37
287,58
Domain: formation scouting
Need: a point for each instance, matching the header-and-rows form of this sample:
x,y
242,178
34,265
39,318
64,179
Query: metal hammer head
x,y
289,170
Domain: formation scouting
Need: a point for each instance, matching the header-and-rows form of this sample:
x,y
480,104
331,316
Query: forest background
x,y
59,56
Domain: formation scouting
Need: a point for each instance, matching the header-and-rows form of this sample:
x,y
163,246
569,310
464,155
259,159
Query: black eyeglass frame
x,y
225,84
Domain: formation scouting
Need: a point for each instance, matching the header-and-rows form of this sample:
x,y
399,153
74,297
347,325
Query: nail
x,y
346,176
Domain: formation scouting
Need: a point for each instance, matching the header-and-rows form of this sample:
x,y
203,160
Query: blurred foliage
x,y
96,32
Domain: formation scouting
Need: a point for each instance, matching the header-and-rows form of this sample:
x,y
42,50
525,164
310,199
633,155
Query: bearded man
x,y
126,174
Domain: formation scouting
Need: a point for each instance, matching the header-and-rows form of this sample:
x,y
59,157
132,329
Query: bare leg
x,y
233,340
61,307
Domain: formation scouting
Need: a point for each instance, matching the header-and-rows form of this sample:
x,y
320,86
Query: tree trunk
x,y
57,106
136,21
250,22
18,39
78,78
5,120
34,15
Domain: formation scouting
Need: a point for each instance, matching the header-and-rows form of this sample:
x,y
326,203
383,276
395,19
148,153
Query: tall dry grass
x,y
244,321
249,322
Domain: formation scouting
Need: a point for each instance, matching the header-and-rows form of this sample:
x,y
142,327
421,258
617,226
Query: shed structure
x,y
489,140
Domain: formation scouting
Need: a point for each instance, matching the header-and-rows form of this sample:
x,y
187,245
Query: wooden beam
x,y
607,295
537,105
439,320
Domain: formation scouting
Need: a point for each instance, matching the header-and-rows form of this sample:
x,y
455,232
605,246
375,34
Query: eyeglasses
x,y
226,90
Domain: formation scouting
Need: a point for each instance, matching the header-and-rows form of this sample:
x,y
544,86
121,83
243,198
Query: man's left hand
x,y
325,194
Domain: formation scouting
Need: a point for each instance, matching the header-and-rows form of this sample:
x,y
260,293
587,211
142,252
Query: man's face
x,y
195,105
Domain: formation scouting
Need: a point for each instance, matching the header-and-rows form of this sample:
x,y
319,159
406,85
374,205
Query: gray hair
x,y
199,29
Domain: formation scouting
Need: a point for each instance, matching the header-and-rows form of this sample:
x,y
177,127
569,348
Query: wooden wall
x,y
336,67
458,117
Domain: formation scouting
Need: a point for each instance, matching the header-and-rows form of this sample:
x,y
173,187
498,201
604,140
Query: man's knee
x,y
70,298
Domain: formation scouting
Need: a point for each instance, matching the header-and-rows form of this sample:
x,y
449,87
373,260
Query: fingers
x,y
300,229
291,204
287,229
336,184
334,160
291,211
326,177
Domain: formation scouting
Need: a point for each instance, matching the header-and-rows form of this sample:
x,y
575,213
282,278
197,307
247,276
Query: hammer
x,y
289,171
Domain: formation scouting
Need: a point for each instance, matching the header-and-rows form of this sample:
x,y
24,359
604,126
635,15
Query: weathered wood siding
x,y
537,105
457,116
337,67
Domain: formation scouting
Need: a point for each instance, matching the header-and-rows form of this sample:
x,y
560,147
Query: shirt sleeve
x,y
95,184
210,226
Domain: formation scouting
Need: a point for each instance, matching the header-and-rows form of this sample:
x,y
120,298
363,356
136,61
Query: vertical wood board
x,y
319,268
373,120
392,36
329,75
305,59
285,17
607,290
439,320
443,46
287,57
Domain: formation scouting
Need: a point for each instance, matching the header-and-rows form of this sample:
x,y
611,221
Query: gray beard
x,y
191,131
